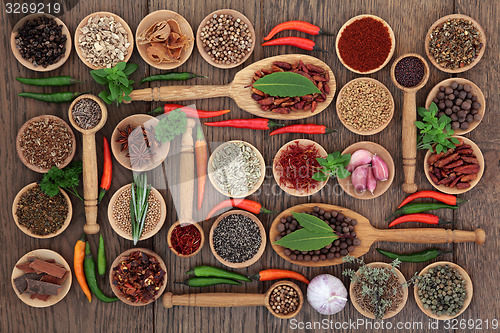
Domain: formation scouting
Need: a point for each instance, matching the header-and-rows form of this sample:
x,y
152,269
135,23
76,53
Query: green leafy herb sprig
x,y
139,205
334,165
67,179
434,130
172,124
118,86
314,235
286,84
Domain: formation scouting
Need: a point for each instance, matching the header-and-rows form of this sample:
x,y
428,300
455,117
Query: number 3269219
x,y
32,8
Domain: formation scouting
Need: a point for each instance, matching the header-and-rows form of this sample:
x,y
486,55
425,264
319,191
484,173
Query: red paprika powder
x,y
365,44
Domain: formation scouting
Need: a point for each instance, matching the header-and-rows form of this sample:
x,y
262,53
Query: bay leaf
x,y
305,240
312,223
286,84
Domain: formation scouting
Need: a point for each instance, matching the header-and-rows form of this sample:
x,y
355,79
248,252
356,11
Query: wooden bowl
x,y
382,187
441,21
46,255
390,314
260,251
211,170
23,128
294,192
117,261
26,230
469,288
199,43
100,124
117,18
169,240
163,15
474,90
415,88
29,64
341,96
391,34
284,283
135,121
114,223
454,190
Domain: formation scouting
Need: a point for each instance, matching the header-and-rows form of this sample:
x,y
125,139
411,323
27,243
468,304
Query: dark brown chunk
x,y
55,280
40,287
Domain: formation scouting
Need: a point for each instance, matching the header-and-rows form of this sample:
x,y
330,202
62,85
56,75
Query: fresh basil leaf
x,y
320,176
104,95
433,108
305,240
123,80
421,111
120,66
455,141
286,84
98,78
130,68
342,173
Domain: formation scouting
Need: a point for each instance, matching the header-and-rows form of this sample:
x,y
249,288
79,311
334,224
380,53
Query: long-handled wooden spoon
x,y
89,157
239,89
409,118
232,299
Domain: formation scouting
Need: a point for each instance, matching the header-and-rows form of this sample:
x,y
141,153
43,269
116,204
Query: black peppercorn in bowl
x,y
42,56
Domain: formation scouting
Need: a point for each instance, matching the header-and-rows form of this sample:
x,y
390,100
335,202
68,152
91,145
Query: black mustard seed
x,y
409,71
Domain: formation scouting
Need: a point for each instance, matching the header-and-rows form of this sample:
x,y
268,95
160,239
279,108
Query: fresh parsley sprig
x,y
170,125
434,130
118,86
334,165
67,179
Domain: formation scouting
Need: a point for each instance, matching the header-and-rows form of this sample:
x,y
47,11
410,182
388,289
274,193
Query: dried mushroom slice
x,y
157,52
174,26
157,32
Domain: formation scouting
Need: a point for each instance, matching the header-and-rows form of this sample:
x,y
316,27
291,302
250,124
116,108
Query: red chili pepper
x,y
249,205
107,169
255,123
423,218
301,43
301,26
189,111
275,274
303,128
444,198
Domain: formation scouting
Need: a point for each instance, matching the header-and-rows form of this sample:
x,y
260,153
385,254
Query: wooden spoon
x,y
409,128
369,235
232,299
89,157
239,89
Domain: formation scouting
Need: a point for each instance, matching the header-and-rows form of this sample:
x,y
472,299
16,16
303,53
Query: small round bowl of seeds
x,y
119,213
237,239
44,142
236,169
225,38
365,106
443,290
87,113
49,49
284,299
103,39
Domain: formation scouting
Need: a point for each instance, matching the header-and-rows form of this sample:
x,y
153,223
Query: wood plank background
x,y
409,19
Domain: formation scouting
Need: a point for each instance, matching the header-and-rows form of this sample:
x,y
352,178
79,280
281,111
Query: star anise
x,y
140,154
123,138
149,136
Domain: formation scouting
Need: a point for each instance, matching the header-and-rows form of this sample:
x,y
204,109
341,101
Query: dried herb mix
x,y
86,113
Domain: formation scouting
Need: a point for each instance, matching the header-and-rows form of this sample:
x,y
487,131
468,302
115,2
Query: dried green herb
x,y
334,165
118,86
286,84
434,130
67,179
172,124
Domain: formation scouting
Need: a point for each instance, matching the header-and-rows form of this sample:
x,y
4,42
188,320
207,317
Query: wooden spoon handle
x,y
90,183
431,236
179,93
187,174
214,300
409,142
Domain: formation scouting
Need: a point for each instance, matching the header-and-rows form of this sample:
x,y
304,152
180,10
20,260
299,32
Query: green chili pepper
x,y
208,281
414,257
209,271
171,77
59,97
55,81
413,208
89,268
101,257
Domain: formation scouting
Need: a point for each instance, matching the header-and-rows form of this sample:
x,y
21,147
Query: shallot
x,y
359,157
327,294
380,170
371,182
359,177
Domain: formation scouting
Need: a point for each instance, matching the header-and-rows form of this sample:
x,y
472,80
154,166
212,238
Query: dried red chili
x,y
365,44
185,239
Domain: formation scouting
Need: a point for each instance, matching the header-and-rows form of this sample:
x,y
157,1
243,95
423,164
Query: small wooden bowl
x,y
199,43
474,90
382,187
114,223
163,15
441,21
23,128
29,64
117,261
100,124
260,251
469,288
26,230
388,315
421,84
294,192
211,170
117,18
341,96
454,190
135,121
284,283
391,34
46,255
169,240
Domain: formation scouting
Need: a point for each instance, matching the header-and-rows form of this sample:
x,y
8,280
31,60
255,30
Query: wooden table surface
x,y
409,20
